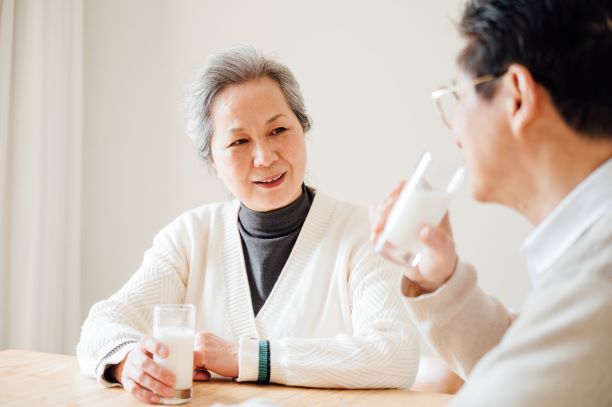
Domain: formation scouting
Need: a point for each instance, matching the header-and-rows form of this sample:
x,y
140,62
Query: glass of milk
x,y
423,201
174,326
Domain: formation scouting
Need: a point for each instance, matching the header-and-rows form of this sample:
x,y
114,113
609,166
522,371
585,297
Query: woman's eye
x,y
238,142
278,131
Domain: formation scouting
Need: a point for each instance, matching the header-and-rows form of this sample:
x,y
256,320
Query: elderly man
x,y
533,115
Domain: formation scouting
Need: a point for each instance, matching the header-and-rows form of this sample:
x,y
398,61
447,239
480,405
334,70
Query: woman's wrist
x,y
116,371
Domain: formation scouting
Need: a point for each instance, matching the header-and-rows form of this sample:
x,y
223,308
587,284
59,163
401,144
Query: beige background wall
x,y
366,69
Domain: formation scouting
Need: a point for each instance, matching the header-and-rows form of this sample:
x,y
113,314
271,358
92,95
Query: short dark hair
x,y
565,44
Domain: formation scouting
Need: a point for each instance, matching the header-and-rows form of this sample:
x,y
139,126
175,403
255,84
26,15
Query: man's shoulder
x,y
591,254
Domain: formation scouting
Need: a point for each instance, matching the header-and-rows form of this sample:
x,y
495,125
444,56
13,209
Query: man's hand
x,y
438,258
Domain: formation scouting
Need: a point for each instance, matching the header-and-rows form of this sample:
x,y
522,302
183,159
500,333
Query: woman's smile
x,y
271,182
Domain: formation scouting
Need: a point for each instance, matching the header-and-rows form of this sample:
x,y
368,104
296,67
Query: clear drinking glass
x,y
174,326
423,201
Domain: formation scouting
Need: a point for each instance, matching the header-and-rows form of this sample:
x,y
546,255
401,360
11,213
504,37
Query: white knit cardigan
x,y
335,317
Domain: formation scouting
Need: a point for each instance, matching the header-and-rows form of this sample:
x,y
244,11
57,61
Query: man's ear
x,y
521,98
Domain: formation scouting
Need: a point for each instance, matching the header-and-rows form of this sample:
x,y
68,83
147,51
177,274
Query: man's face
x,y
482,131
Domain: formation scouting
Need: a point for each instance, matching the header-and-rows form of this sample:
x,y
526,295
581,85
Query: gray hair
x,y
230,67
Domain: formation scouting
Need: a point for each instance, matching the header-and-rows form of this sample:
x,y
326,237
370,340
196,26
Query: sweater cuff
x,y
447,301
279,361
248,359
113,357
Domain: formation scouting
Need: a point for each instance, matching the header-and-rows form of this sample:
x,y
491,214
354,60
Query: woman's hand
x,y
215,354
438,258
141,376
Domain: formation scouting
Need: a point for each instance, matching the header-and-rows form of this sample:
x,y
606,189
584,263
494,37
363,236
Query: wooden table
x,y
35,379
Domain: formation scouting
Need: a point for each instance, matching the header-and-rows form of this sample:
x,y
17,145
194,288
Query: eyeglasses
x,y
447,97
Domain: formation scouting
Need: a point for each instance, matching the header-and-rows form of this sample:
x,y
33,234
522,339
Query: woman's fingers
x,y
199,358
145,380
140,392
201,375
199,365
143,362
216,354
154,347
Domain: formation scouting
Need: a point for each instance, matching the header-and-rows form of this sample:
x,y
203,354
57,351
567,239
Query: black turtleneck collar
x,y
278,222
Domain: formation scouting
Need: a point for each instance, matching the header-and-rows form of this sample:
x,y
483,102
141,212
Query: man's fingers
x,y
140,392
446,224
411,273
376,221
398,188
436,238
381,213
394,194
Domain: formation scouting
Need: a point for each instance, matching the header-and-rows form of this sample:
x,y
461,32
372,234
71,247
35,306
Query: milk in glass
x,y
174,326
423,201
179,341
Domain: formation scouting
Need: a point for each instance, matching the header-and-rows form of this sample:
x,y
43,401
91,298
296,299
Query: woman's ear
x,y
521,98
213,167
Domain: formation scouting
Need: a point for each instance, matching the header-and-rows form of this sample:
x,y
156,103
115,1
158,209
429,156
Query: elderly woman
x,y
284,262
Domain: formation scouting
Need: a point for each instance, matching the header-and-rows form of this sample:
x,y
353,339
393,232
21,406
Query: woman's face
x,y
258,147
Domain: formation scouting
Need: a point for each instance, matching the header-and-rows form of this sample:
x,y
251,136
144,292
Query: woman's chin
x,y
271,200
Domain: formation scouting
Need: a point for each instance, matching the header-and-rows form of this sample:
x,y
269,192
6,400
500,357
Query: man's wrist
x,y
411,289
414,289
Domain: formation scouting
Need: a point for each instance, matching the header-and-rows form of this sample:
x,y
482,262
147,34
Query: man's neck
x,y
556,169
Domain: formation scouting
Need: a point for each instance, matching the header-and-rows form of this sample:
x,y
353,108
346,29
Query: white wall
x,y
366,69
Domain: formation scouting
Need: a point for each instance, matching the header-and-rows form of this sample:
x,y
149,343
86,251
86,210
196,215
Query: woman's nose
x,y
265,155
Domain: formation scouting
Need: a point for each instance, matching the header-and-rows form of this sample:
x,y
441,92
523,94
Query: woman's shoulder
x,y
341,208
211,212
195,224
348,216
350,225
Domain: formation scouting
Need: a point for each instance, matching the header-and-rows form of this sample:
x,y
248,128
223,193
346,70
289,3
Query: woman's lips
x,y
272,181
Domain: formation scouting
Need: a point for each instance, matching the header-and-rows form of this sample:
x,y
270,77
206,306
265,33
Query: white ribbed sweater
x,y
334,318
557,352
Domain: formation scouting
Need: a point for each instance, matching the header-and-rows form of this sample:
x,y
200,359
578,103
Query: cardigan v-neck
x,y
242,317
267,240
